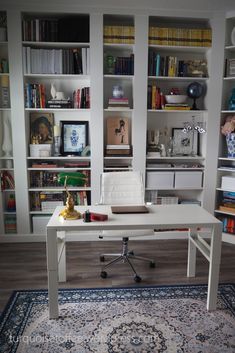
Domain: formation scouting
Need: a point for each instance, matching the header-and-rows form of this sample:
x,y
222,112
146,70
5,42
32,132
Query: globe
x,y
194,91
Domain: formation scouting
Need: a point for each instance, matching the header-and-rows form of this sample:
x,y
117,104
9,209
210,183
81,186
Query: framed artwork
x,y
74,137
185,143
117,131
41,128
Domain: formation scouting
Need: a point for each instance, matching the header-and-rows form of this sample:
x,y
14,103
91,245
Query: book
x,y
118,147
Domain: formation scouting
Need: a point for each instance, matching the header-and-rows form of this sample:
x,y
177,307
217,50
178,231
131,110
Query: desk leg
x,y
61,246
52,270
215,255
191,269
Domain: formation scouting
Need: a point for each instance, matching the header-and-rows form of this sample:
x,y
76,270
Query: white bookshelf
x,y
225,163
101,84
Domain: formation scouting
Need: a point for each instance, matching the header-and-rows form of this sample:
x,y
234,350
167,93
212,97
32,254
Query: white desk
x,y
163,217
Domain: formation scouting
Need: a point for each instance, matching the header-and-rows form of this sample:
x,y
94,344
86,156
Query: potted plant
x,y
228,129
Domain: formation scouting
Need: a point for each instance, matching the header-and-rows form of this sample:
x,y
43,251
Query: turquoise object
x,y
231,102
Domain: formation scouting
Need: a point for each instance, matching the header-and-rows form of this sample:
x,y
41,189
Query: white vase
x,y
7,140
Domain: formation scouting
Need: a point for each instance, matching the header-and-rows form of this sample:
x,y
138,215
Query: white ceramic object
x,y
233,36
176,98
7,140
40,150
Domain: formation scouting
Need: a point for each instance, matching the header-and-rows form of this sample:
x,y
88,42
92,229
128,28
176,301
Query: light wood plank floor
x,y
23,266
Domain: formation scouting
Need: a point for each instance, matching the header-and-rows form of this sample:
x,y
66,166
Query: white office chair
x,y
123,188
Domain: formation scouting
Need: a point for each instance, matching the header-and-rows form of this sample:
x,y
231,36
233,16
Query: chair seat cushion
x,y
119,234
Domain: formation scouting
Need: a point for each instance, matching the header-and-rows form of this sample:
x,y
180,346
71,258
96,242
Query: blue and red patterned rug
x,y
170,319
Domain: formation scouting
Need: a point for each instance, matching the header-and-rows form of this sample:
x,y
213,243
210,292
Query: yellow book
x,y
175,36
206,37
180,37
164,36
199,37
151,35
170,36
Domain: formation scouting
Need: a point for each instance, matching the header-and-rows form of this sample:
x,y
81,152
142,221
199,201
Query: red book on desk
x,y
98,217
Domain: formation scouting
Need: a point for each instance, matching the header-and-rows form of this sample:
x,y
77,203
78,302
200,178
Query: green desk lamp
x,y
72,179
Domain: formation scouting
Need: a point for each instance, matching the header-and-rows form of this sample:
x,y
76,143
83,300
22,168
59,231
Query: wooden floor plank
x,y
23,266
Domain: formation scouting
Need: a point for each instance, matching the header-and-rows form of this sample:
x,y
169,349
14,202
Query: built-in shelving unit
x,y
101,80
226,164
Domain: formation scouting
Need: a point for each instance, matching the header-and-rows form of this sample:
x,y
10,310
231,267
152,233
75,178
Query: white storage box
x,y
188,180
40,224
160,180
228,183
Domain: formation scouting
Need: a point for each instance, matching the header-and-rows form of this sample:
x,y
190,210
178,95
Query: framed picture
x,y
74,137
41,128
185,143
117,131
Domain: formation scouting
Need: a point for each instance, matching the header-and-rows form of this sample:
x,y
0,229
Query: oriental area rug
x,y
171,319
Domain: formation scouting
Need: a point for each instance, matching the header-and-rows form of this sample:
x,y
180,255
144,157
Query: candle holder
x,y
56,145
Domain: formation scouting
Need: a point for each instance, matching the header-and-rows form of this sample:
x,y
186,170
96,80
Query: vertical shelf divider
x,y
140,93
18,121
96,125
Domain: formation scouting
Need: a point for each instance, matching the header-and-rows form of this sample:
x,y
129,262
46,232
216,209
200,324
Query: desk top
x,y
159,216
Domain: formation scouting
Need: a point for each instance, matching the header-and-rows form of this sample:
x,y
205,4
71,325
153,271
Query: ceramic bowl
x,y
176,98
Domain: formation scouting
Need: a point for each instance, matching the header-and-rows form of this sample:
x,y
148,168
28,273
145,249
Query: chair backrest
x,y
122,188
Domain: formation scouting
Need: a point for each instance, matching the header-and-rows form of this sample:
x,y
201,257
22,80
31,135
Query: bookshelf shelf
x,y
220,189
4,74
121,46
119,157
118,110
11,169
176,78
226,213
57,110
60,189
8,190
230,47
62,158
182,158
176,111
227,111
232,170
4,43
123,77
174,189
41,212
176,168
55,44
6,158
232,78
60,169
176,48
226,159
58,76
230,238
9,213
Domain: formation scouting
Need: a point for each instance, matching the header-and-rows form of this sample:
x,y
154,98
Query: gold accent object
x,y
69,213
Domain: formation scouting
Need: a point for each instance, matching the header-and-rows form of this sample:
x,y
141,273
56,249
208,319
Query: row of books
x,y
228,202
230,67
156,100
35,97
10,224
199,37
56,61
64,29
50,179
159,65
118,103
228,224
122,66
6,180
119,34
48,201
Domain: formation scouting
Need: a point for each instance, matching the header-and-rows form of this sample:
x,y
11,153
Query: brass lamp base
x,y
70,215
69,212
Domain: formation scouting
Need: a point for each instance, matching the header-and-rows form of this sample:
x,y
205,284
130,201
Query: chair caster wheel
x,y
103,274
137,279
131,252
152,264
101,258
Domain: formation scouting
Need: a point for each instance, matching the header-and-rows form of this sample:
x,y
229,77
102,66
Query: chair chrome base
x,y
125,256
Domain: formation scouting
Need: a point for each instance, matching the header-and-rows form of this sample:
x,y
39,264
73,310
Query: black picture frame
x,y
74,137
183,141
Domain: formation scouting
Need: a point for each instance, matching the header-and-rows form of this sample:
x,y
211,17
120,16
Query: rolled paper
x,y
56,130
